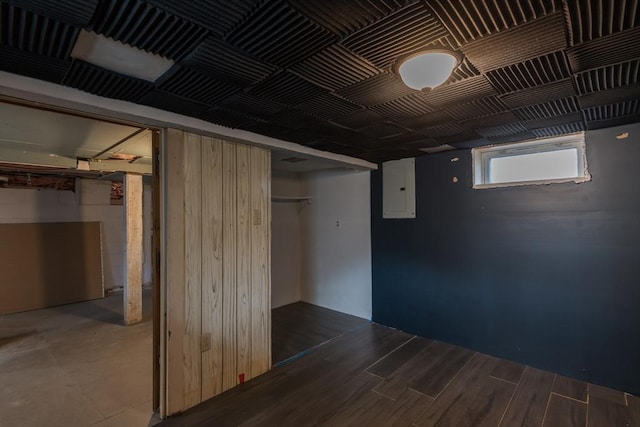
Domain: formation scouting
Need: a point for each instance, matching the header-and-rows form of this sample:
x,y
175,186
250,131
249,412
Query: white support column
x,y
134,252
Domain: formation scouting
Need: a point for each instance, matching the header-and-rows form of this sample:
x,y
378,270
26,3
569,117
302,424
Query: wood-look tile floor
x,y
378,376
299,327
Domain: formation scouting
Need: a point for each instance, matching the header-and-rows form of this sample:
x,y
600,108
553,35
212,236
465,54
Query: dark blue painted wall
x,y
544,275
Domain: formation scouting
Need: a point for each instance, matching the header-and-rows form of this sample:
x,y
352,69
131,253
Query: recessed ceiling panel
x,y
592,19
376,90
193,85
30,32
99,81
146,27
405,31
228,118
317,72
610,96
554,121
503,130
492,120
531,40
222,61
481,107
563,129
557,107
604,51
275,25
33,65
252,105
468,20
405,107
425,120
514,137
295,119
540,94
444,129
459,92
328,106
287,88
384,130
610,77
219,17
535,72
345,17
335,68
74,12
359,119
170,102
612,111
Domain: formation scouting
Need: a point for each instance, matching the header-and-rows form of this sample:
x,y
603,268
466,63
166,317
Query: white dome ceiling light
x,y
428,69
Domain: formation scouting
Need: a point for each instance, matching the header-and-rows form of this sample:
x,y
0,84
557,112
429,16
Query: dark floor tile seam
x,y
513,394
546,409
387,355
586,415
586,402
380,394
314,348
503,380
475,353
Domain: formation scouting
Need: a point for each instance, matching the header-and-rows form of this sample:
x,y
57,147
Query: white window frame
x,y
482,157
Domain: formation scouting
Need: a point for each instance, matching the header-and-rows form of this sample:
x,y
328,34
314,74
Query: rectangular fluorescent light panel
x,y
119,57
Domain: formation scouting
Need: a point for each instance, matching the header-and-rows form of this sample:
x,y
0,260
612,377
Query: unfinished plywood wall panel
x,y
211,268
173,260
217,260
193,269
260,196
229,287
243,262
36,273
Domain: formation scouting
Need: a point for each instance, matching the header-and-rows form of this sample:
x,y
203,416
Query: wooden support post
x,y
134,251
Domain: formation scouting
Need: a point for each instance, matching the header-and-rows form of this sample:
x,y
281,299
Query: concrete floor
x,y
76,365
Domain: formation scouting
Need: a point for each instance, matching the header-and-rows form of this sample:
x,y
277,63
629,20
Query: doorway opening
x,y
77,327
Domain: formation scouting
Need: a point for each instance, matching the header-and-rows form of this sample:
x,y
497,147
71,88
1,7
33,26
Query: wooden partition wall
x,y
217,259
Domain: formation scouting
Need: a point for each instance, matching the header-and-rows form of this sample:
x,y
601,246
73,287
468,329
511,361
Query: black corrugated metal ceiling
x,y
319,73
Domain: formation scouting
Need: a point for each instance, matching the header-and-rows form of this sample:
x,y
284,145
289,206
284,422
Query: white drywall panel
x,y
336,230
286,239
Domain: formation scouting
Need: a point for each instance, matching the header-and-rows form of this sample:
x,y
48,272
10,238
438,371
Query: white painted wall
x,y
286,240
336,233
90,202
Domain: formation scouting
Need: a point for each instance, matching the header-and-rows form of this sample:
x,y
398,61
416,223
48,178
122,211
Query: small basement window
x,y
542,161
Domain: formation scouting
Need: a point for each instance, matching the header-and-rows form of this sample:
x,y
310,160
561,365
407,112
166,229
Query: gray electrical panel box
x,y
399,188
